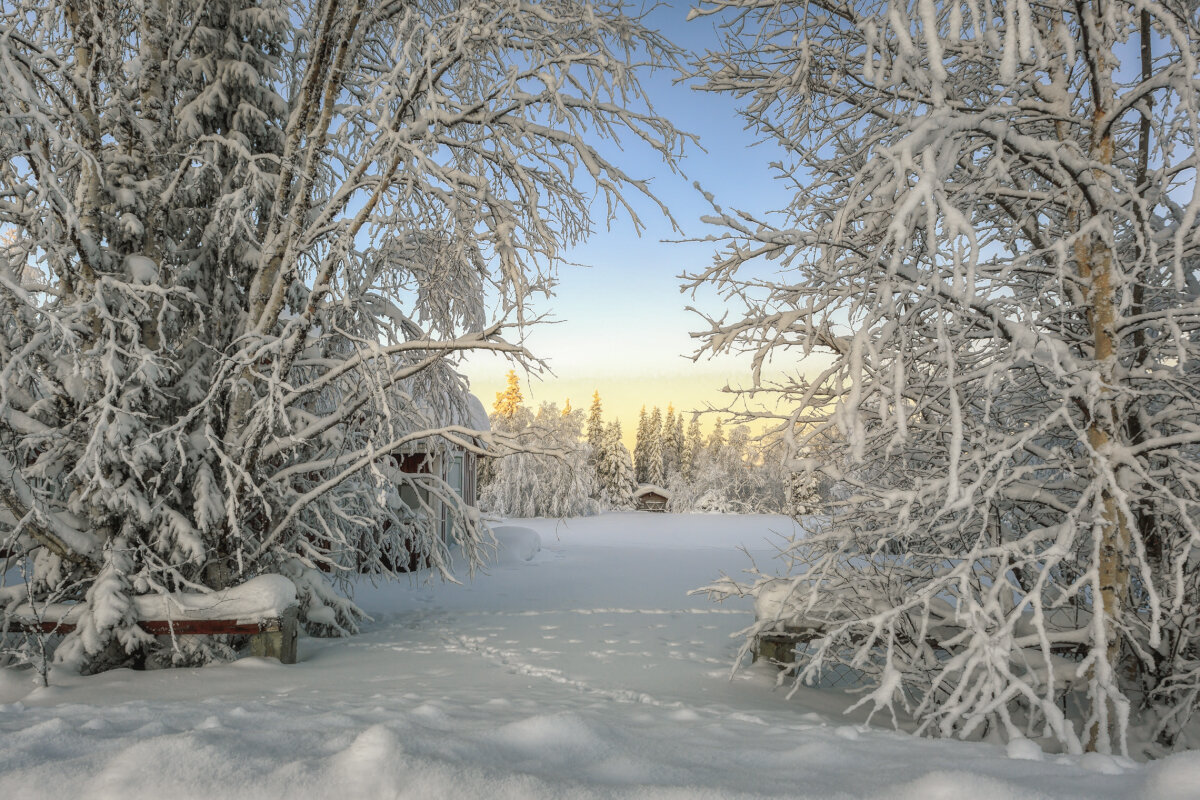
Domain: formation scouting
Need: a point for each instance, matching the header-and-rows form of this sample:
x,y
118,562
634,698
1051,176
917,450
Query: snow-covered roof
x,y
478,416
648,488
441,410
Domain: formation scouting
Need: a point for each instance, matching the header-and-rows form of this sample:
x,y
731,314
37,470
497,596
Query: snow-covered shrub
x,y
734,476
547,471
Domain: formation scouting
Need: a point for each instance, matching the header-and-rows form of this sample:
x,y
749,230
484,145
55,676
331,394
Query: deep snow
x,y
582,669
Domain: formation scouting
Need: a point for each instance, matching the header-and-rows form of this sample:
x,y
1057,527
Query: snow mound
x,y
516,544
1176,777
1022,749
960,784
565,739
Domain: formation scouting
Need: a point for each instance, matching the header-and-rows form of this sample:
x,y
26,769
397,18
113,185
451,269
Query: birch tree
x,y
245,239
993,235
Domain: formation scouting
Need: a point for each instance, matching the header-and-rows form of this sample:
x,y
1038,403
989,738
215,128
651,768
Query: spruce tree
x,y
673,441
615,468
641,442
716,439
595,439
670,452
654,449
693,446
595,424
803,494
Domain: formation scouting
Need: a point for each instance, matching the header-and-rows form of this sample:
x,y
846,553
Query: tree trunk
x,y
1094,256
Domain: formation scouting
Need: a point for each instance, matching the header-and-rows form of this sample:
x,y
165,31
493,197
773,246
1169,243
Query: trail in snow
x,y
585,672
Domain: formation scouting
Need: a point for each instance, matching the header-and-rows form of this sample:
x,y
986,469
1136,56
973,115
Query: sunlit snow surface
x,y
578,670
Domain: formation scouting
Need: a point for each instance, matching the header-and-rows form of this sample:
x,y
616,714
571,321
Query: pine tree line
x,y
591,468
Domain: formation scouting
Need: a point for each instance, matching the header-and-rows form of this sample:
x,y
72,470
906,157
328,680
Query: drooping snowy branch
x,y
993,238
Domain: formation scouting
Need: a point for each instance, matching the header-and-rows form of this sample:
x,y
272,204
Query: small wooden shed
x,y
649,497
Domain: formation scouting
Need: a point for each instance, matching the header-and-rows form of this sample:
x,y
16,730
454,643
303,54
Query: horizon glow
x,y
623,327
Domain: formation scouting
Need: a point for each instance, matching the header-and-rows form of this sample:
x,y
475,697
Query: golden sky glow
x,y
621,397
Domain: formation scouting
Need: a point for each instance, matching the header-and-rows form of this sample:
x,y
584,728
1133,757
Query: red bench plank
x,y
183,627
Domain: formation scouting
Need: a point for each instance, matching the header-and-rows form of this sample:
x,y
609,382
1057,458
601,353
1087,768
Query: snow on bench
x,y
789,623
786,620
263,608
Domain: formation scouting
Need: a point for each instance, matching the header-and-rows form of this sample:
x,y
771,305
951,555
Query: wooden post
x,y
776,649
277,638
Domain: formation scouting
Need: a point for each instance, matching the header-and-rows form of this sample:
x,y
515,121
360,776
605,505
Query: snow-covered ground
x,y
582,669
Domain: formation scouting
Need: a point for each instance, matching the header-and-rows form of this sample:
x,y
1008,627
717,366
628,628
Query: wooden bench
x,y
263,608
270,637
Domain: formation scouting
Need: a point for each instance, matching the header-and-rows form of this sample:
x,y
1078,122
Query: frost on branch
x,y
244,244
993,245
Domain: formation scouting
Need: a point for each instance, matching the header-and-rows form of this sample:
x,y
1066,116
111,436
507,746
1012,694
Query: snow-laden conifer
x,y
653,453
244,242
672,448
640,443
595,423
615,468
693,445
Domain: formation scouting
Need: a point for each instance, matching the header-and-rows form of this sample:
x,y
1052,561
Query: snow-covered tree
x,y
670,458
595,439
993,236
677,439
672,441
640,443
737,449
736,477
653,452
693,445
595,423
509,401
546,471
716,438
243,239
615,468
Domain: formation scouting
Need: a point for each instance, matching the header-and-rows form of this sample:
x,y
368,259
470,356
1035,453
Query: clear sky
x,y
624,330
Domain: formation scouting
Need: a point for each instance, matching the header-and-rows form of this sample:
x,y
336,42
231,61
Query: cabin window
x,y
454,477
454,474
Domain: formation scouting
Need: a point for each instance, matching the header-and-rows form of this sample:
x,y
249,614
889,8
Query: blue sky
x,y
624,329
